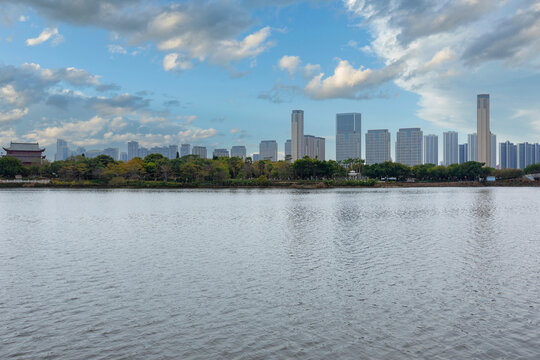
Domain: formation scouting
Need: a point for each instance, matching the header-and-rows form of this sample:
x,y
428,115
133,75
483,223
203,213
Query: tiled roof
x,y
24,147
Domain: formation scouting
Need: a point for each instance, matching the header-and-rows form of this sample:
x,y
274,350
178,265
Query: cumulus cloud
x,y
175,62
218,30
45,35
289,63
347,81
281,93
14,114
116,49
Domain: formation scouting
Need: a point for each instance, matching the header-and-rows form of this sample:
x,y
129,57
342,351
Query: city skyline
x,y
146,82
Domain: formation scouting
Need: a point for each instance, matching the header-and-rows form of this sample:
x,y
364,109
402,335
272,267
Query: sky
x,y
219,73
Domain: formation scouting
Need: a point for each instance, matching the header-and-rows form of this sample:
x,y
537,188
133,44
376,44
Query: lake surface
x,y
440,273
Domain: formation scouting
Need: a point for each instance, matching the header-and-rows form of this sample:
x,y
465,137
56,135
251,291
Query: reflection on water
x,y
248,274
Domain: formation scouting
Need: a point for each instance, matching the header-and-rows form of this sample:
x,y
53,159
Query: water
x,y
270,274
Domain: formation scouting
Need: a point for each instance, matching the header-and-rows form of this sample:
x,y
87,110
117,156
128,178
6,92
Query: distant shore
x,y
54,184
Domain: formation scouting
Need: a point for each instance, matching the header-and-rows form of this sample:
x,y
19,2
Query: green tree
x,y
11,167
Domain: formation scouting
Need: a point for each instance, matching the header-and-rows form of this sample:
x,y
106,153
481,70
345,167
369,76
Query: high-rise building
x,y
143,152
537,153
451,149
162,150
526,155
268,150
173,151
288,149
297,134
472,142
320,148
493,151
483,129
508,155
409,146
62,150
220,153
309,146
348,136
431,149
255,157
133,149
112,152
239,152
378,146
200,151
123,156
463,153
185,150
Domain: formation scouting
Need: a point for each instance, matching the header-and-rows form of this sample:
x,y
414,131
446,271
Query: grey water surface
x,y
438,273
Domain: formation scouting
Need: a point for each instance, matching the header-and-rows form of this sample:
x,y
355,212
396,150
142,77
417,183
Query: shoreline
x,y
281,185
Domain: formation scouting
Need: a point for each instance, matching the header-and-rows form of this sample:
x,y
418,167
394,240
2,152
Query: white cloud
x,y
289,63
23,18
249,47
175,62
14,114
116,49
45,35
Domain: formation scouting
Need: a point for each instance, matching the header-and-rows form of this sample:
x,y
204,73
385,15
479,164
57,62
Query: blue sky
x,y
220,73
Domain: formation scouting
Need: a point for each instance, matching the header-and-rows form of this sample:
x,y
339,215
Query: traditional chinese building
x,y
28,153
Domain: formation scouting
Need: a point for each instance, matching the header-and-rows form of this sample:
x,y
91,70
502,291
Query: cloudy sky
x,y
228,72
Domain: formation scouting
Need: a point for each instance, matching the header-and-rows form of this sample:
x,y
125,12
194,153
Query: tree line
x,y
191,169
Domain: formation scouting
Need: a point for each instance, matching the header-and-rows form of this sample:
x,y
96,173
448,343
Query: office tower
x,y
378,146
200,151
508,155
255,157
268,150
348,136
493,151
173,151
320,148
62,151
112,152
451,149
133,149
91,154
220,153
297,134
463,153
431,149
123,156
409,146
185,150
309,146
536,153
162,150
483,129
288,147
526,155
472,141
142,152
239,152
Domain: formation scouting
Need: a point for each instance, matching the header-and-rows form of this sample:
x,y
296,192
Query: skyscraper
x,y
239,152
508,155
526,155
200,151
483,129
268,150
378,146
472,142
409,146
133,149
220,153
463,153
62,150
288,149
185,150
123,156
320,148
297,134
348,136
112,152
173,150
493,151
431,149
450,146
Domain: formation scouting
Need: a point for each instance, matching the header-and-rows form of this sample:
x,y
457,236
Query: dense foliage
x,y
532,169
236,172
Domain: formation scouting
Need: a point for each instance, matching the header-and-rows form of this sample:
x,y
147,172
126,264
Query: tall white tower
x,y
483,129
297,134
